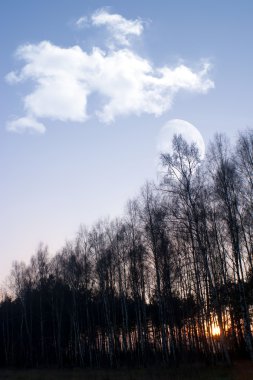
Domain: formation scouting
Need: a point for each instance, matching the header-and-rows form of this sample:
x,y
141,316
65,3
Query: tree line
x,y
169,282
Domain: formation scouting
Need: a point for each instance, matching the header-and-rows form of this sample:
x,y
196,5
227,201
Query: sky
x,y
90,92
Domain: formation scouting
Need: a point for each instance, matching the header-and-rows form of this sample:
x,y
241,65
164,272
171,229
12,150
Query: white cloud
x,y
127,83
24,124
82,22
59,93
119,27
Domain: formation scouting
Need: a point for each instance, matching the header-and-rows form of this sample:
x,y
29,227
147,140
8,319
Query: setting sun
x,y
215,331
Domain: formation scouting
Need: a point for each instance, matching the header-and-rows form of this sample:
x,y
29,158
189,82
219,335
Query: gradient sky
x,y
138,64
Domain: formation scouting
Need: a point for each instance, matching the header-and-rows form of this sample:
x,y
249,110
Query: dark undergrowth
x,y
239,371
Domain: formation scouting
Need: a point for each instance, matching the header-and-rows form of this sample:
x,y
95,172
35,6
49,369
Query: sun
x,y
215,331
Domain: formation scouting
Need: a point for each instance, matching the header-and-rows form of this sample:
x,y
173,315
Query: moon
x,y
179,127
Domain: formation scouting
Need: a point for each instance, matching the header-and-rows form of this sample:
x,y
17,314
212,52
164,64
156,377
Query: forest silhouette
x,y
169,282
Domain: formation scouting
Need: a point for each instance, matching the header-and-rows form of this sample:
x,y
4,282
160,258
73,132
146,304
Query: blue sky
x,y
79,127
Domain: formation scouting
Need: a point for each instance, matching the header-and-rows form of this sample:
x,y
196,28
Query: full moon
x,y
179,127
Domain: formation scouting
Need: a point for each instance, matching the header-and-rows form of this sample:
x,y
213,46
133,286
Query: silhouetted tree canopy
x,y
170,281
